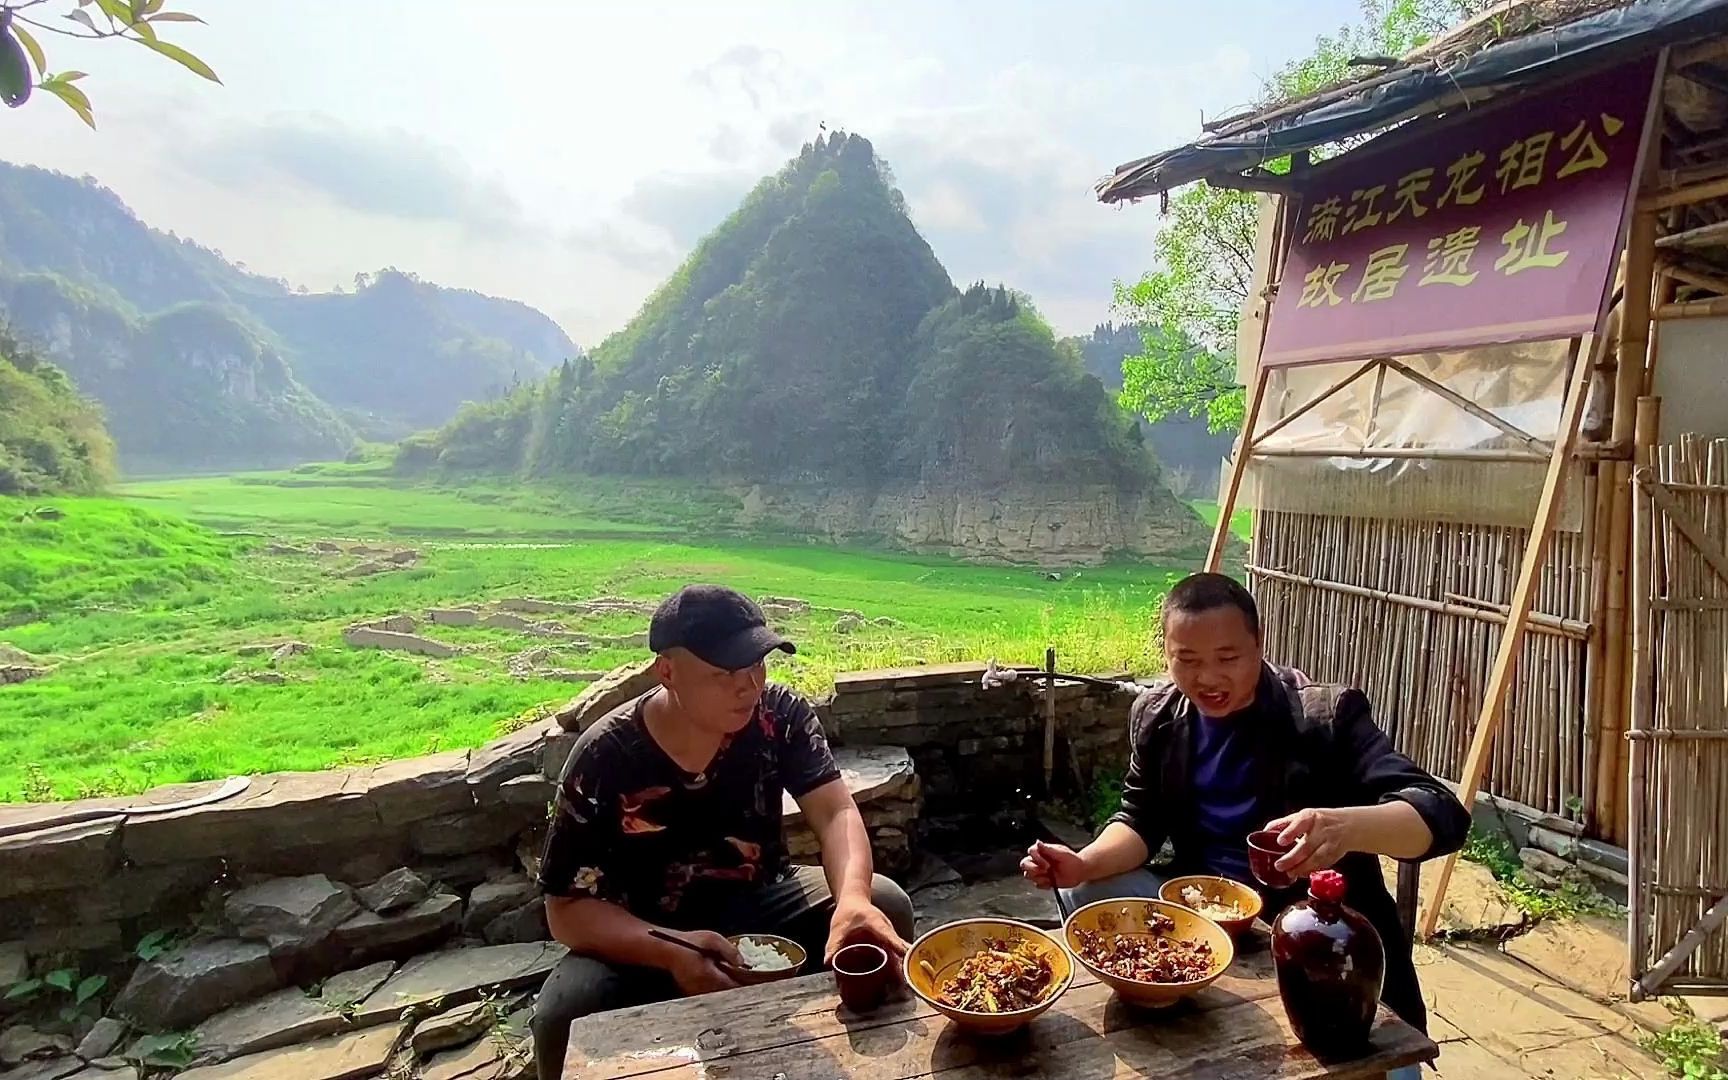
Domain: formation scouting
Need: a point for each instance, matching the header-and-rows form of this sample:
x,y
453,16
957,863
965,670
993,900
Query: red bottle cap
x,y
1327,885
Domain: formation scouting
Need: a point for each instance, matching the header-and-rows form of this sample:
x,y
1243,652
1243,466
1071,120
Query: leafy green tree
x,y
51,437
1188,306
24,24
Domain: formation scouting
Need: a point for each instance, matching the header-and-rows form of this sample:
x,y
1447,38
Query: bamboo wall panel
x,y
1425,669
1684,841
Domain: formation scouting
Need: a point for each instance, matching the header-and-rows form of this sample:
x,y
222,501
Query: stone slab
x,y
298,909
53,1069
620,685
339,1057
513,755
287,1017
195,981
398,889
70,856
365,637
102,1038
14,963
457,975
458,1027
908,678
870,772
290,809
370,935
466,833
491,899
415,789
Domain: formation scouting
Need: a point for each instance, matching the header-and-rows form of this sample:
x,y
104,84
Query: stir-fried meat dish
x,y
1000,978
1195,897
1159,958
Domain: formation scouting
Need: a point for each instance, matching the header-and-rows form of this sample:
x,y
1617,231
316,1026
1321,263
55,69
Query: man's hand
x,y
695,973
1322,837
861,922
1053,866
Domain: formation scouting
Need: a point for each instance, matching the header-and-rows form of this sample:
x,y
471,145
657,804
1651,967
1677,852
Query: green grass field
x,y
1241,521
143,601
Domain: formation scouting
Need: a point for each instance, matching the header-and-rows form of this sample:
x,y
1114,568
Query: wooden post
x,y
1518,613
1628,387
1049,720
1244,447
1283,231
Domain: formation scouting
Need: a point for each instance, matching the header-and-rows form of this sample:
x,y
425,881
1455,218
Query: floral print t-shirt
x,y
632,827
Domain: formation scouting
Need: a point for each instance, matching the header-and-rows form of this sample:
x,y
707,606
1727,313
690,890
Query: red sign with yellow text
x,y
1498,227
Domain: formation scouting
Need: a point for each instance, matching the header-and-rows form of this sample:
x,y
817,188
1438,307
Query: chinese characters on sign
x,y
1497,226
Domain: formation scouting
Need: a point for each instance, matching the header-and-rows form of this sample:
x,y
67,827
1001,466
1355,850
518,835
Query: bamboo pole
x,y
1628,385
1523,592
1050,720
1539,621
1686,195
1303,409
1643,689
1693,309
1695,278
1227,505
1485,415
1422,452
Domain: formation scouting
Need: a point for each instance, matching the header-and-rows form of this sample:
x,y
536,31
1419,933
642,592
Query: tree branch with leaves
x,y
1189,306
25,24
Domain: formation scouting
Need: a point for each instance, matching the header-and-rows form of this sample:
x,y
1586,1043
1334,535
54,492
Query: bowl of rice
x,y
767,958
1230,904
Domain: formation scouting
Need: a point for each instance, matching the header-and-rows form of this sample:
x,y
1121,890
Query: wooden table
x,y
798,1030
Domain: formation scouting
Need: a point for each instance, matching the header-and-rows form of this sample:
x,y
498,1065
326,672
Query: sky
x,y
570,153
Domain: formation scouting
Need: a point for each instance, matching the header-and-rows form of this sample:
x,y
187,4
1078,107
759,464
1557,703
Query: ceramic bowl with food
x,y
988,976
771,958
1230,904
1151,952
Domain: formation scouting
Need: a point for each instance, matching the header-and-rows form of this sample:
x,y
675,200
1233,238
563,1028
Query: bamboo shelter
x,y
1446,514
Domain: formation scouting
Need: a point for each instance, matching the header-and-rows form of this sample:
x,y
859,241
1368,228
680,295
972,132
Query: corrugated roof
x,y
1522,47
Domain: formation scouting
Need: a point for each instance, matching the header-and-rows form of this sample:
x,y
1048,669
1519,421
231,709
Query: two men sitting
x,y
667,819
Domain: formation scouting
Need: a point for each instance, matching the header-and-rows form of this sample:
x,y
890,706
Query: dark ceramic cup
x,y
1264,850
861,972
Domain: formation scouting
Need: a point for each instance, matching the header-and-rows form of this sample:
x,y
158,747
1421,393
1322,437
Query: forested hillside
x,y
814,336
1190,453
51,438
203,364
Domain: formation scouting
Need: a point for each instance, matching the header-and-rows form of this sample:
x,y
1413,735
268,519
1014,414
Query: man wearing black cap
x,y
668,820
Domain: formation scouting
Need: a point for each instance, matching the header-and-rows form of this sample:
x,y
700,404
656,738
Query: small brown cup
x,y
861,971
1264,850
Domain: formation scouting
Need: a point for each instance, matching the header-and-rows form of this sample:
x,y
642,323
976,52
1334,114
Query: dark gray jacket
x,y
1317,747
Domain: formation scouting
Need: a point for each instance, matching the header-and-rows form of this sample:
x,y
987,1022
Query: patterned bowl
x,y
1217,890
935,957
786,947
1130,917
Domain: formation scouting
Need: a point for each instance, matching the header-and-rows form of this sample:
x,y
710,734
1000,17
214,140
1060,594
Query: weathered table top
x,y
798,1030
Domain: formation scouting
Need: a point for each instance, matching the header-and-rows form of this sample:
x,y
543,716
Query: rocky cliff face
x,y
1043,524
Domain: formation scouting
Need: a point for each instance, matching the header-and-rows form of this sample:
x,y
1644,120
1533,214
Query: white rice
x,y
761,956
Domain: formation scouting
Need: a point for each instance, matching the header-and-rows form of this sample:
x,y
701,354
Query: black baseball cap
x,y
719,626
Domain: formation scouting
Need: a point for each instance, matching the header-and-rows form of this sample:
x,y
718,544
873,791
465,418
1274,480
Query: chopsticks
x,y
709,953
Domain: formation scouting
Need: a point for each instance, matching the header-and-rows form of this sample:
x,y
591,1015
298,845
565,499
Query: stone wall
x,y
469,824
1043,524
974,747
461,821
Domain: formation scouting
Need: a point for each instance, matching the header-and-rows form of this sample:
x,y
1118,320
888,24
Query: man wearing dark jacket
x,y
1231,744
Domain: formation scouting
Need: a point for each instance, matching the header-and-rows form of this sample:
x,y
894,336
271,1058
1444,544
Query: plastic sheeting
x,y
1523,384
1544,57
